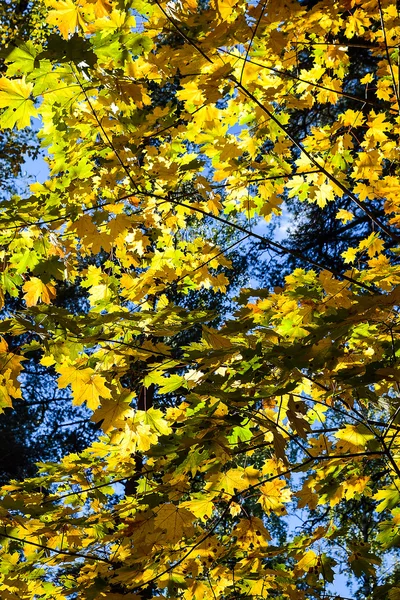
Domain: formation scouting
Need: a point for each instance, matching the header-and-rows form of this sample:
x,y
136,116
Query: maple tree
x,y
161,122
41,424
18,20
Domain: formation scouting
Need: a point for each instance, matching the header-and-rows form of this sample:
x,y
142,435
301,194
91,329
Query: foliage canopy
x,y
163,121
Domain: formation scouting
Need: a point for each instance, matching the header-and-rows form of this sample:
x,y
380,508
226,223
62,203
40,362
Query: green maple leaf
x,y
26,259
15,96
193,461
388,498
11,283
155,419
48,269
240,433
21,60
140,43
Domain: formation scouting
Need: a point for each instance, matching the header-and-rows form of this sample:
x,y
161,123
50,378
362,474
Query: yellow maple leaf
x,y
355,485
332,92
101,7
154,418
368,78
5,398
235,509
133,437
274,494
252,531
93,390
119,225
15,97
90,236
36,290
356,23
389,497
384,89
112,413
350,255
86,385
197,591
202,507
215,339
344,215
227,483
191,93
324,194
308,561
353,438
143,436
307,497
225,8
251,475
10,369
174,523
67,16
373,245
99,293
352,118
377,127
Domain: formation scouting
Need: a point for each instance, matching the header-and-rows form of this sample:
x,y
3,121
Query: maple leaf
x,y
227,483
191,94
344,215
352,118
154,418
112,413
36,290
388,498
21,59
67,16
101,7
274,495
356,485
307,497
353,438
225,8
89,234
200,505
175,523
15,96
167,384
5,398
372,244
193,461
144,437
356,23
377,126
349,255
10,363
252,531
86,385
307,562
215,339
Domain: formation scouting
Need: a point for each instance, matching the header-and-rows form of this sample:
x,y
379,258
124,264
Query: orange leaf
x,y
36,290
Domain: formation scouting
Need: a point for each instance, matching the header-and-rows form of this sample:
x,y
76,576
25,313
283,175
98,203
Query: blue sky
x,y
34,170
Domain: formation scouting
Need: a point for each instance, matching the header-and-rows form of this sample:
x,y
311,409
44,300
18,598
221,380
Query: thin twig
x,y
62,552
253,35
396,92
